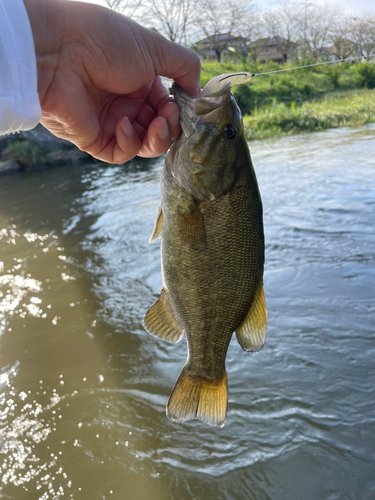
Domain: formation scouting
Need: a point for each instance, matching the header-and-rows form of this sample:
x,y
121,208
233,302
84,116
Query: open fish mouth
x,y
206,105
196,109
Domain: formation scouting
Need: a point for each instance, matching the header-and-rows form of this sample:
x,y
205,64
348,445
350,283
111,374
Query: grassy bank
x,y
298,86
303,100
335,110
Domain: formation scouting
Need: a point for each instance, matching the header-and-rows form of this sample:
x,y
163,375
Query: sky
x,y
360,6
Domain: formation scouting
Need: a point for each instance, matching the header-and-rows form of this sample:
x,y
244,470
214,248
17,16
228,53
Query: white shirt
x,y
19,101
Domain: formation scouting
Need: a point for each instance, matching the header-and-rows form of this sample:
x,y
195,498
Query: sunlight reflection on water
x,y
83,388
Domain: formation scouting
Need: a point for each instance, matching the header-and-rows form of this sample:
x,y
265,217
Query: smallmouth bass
x,y
212,250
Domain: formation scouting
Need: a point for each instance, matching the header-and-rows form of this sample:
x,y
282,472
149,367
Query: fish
x,y
210,222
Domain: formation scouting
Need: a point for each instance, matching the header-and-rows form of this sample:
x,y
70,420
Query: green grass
x,y
27,153
303,100
335,110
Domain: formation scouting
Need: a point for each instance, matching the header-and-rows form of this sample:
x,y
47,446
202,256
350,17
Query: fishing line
x,y
218,85
311,65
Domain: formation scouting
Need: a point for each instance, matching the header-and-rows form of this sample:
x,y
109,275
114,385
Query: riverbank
x,y
304,100
341,109
37,149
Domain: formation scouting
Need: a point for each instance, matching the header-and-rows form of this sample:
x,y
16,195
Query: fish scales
x,y
211,289
212,248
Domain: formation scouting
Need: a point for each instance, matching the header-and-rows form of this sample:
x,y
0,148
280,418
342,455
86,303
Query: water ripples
x,y
80,277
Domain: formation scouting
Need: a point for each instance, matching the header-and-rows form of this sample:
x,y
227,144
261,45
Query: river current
x,y
83,388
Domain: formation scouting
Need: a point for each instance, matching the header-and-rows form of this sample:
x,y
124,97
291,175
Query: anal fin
x,y
156,233
198,397
251,335
160,321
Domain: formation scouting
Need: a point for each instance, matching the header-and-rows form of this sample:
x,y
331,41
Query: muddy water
x,y
83,388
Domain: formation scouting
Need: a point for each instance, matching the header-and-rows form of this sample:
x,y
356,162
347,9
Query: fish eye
x,y
230,131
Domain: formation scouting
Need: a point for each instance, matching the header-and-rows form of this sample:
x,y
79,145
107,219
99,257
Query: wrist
x,y
47,20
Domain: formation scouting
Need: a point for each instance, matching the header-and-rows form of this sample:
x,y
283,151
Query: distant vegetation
x,y
335,110
302,100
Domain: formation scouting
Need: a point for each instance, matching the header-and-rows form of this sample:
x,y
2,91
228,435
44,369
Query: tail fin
x,y
197,397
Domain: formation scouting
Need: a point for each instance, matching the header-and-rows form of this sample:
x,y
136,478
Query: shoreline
x,y
39,149
344,109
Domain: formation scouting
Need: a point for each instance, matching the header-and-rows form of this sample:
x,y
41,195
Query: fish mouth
x,y
186,105
199,108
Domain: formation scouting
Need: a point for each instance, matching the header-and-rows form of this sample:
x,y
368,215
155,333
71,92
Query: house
x,y
267,49
223,46
328,54
272,48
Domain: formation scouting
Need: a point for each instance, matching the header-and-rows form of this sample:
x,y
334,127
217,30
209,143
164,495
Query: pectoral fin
x,y
160,321
192,229
251,335
156,233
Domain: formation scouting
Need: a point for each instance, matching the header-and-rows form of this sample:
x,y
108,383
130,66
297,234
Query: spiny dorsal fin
x,y
192,229
160,321
197,397
251,335
156,233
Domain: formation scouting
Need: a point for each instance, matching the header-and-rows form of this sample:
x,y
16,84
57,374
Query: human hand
x,y
99,83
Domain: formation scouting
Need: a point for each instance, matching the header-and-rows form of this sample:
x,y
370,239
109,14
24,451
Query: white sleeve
x,y
19,101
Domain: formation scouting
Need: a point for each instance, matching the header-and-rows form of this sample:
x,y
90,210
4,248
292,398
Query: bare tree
x,y
127,7
172,18
217,19
284,24
252,29
341,37
222,16
363,30
317,25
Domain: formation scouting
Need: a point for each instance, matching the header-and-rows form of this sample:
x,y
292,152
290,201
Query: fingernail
x,y
126,127
164,132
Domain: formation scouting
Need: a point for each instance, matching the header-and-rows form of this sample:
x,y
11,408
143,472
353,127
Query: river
x,y
83,388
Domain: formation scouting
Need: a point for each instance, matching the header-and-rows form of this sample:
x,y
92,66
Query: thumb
x,y
176,62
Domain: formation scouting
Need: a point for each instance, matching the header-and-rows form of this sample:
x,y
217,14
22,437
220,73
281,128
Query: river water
x,y
83,388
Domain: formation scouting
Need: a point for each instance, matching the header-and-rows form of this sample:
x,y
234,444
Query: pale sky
x,y
350,6
360,6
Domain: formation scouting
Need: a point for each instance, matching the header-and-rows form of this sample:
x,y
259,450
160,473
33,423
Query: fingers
x,y
157,140
147,140
147,132
128,143
171,114
161,131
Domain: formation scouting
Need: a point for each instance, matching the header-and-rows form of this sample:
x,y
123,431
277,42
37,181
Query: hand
x,y
99,83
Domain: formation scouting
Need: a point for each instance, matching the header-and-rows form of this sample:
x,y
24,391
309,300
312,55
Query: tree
x,y
340,37
363,30
252,29
173,18
127,7
284,24
317,24
217,20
